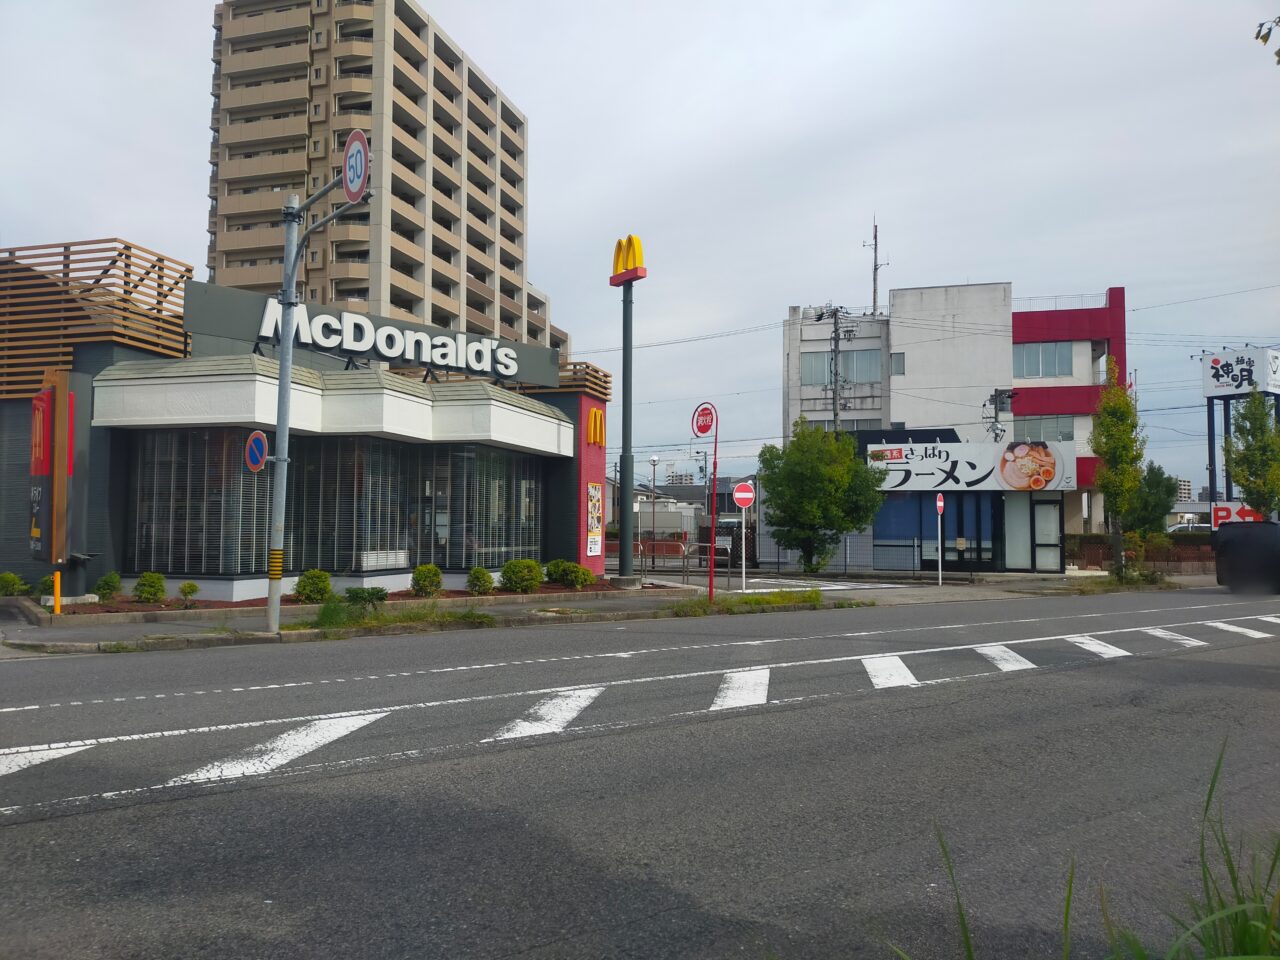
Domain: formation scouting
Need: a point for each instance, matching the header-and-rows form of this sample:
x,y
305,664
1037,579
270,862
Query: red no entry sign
x,y
704,420
940,504
744,495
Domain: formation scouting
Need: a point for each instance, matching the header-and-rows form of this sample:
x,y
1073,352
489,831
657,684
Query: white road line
x,y
550,715
276,752
745,688
889,672
20,761
1236,628
1269,619
763,641
1004,658
1175,637
1093,645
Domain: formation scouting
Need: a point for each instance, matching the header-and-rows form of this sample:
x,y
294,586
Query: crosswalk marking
x,y
745,688
20,761
550,715
889,672
1101,648
1004,658
276,752
1270,619
1175,637
1236,628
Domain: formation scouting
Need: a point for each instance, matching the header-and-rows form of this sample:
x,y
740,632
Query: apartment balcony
x,y
263,131
479,322
406,284
410,106
336,232
399,313
407,36
265,276
510,134
449,204
408,211
351,118
408,143
476,225
444,301
348,10
450,271
486,111
408,180
354,47
270,58
451,238
536,320
266,24
258,202
480,288
512,170
289,93
352,83
448,139
411,249
485,140
410,75
259,238
511,276
510,305
348,270
263,165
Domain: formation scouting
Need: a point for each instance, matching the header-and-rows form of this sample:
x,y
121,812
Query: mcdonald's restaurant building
x,y
409,444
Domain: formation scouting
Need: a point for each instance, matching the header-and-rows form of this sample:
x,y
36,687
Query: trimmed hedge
x,y
479,582
108,586
313,587
150,588
569,574
521,576
426,581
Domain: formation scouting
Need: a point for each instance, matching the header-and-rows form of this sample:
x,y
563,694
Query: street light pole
x,y
292,214
653,513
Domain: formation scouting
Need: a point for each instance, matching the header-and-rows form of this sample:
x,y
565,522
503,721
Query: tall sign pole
x,y
744,494
628,267
941,506
354,180
707,421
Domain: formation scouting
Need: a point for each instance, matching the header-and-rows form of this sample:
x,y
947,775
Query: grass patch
x,y
852,604
336,614
117,647
1097,585
746,603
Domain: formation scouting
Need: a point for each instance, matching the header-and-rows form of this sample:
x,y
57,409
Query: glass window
x,y
1042,359
815,368
866,366
898,364
1064,359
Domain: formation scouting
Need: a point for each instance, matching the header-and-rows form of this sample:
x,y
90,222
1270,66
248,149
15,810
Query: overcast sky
x,y
1063,147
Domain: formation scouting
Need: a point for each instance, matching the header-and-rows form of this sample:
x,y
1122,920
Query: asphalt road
x,y
724,787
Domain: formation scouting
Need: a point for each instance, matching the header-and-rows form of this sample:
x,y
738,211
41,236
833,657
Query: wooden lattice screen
x,y
54,296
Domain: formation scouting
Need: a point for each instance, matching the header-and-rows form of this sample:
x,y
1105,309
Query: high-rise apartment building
x,y
443,240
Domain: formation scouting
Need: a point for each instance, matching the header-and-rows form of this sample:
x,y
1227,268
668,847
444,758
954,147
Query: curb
x,y
305,610
28,609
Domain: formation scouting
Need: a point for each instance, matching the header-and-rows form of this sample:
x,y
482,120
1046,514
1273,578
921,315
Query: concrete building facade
x,y
443,240
809,384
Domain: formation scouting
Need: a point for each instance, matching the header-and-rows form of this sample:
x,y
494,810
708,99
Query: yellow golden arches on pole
x,y
628,261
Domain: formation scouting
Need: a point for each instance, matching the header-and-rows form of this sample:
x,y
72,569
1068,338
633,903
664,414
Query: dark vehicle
x,y
1247,556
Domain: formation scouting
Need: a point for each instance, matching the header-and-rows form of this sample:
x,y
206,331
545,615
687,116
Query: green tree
x,y
1119,445
1152,504
816,489
1252,454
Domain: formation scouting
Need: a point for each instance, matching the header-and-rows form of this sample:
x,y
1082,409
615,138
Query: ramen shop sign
x,y
351,333
1019,467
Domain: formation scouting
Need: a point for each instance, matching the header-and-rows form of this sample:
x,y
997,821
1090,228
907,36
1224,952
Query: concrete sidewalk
x,y
239,626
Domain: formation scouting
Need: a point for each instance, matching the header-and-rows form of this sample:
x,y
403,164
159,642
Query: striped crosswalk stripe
x,y
1101,648
550,715
1175,637
1236,628
1004,658
276,752
743,688
889,672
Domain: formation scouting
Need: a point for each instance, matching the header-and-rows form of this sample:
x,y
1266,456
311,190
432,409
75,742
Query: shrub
x,y
521,576
577,576
313,587
43,588
426,580
12,585
479,581
556,571
150,588
187,590
108,586
364,600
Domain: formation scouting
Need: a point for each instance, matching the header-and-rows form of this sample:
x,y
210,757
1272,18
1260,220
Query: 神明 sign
x,y
1237,372
1018,466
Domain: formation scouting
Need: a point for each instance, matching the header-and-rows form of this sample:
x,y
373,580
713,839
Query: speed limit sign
x,y
355,166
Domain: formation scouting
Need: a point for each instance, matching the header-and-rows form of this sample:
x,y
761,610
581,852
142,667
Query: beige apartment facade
x,y
443,240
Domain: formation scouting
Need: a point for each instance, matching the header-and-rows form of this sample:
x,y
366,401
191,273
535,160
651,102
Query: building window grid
x,y
856,366
1049,429
1032,360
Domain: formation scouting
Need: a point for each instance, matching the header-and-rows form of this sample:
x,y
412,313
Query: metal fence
x,y
855,553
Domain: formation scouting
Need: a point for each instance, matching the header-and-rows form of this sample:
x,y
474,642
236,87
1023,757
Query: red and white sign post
x,y
707,422
744,495
941,505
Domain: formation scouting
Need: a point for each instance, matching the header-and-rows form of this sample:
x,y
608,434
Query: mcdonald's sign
x,y
628,261
595,427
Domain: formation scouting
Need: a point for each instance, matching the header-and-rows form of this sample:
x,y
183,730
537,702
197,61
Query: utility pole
x,y
835,315
875,267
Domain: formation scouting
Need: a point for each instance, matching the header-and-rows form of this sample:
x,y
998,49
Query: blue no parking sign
x,y
255,451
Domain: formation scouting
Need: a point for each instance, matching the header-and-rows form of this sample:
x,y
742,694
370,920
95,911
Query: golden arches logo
x,y
595,427
628,261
